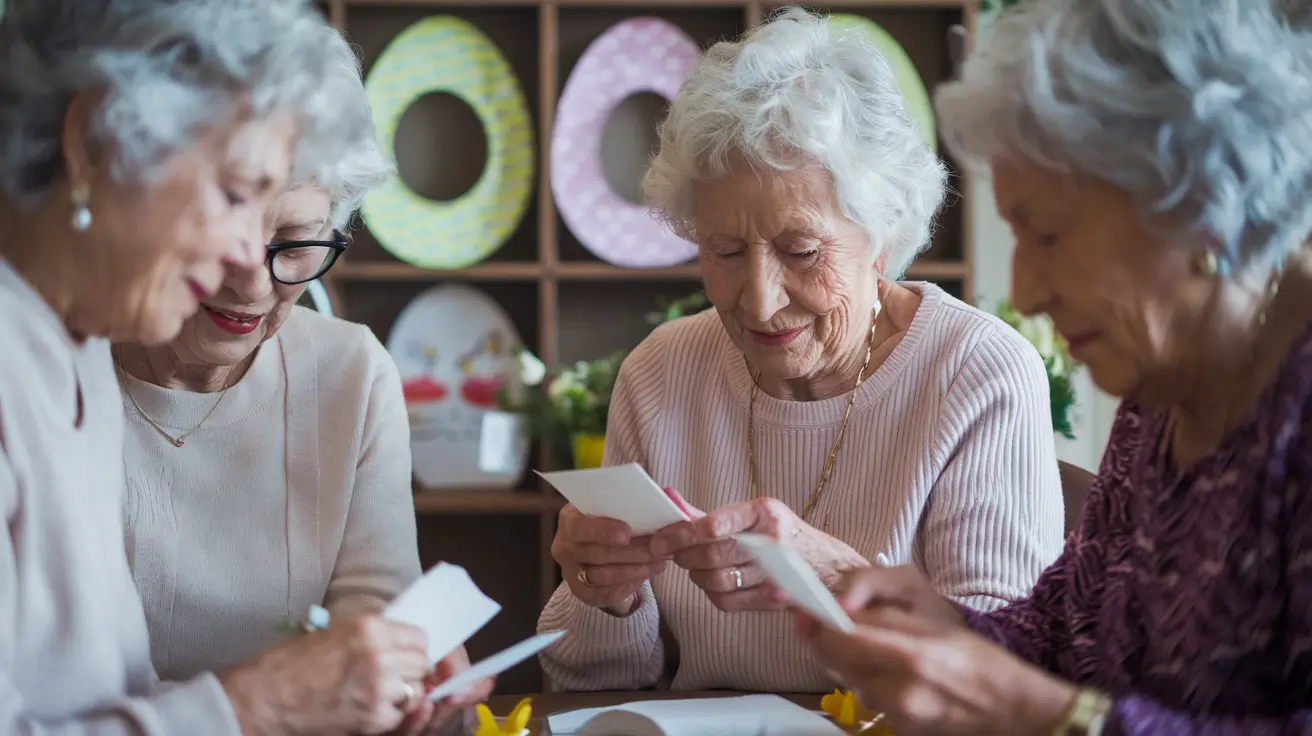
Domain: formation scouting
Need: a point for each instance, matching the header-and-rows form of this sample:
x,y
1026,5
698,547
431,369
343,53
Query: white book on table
x,y
746,715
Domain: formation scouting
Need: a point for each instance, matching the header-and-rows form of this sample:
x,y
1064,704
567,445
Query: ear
x,y
80,154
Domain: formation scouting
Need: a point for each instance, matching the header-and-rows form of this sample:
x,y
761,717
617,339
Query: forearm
x,y
601,651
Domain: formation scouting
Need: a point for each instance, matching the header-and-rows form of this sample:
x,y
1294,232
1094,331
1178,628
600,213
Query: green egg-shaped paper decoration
x,y
908,79
447,54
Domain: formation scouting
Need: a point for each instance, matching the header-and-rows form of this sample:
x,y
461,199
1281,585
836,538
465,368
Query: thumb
x,y
692,511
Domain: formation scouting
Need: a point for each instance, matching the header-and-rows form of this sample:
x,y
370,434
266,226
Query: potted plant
x,y
568,404
1056,359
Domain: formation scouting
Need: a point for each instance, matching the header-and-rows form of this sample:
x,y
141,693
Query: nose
x,y
763,294
1031,285
247,249
248,280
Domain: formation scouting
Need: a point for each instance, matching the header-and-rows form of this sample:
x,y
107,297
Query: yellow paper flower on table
x,y
851,715
512,725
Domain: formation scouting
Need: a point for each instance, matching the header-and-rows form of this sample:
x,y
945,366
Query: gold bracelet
x,y
1087,716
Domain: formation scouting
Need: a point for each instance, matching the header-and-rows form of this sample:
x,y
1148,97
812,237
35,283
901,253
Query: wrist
x,y
255,716
626,607
1085,715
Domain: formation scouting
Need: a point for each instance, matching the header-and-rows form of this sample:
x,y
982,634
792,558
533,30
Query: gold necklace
x,y
838,443
175,441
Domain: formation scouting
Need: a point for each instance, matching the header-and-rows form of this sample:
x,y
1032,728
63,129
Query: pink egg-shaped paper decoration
x,y
635,55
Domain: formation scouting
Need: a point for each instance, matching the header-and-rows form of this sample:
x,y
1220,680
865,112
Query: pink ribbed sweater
x,y
949,463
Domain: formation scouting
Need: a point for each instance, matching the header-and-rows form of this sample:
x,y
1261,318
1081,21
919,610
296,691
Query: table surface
x,y
545,704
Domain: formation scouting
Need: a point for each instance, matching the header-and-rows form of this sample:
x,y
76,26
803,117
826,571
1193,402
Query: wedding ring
x,y
737,578
408,699
583,576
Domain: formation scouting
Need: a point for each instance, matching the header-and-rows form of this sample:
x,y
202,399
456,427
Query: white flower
x,y
531,370
1040,333
563,383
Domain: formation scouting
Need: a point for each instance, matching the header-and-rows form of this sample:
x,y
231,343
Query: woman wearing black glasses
x,y
268,454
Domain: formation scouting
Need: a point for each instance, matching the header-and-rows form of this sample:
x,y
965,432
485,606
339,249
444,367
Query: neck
x,y
42,249
163,367
1232,377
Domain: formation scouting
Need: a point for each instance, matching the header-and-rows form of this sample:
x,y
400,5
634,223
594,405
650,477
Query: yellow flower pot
x,y
588,450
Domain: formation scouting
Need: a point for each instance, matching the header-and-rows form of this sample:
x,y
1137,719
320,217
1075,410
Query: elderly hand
x,y
359,675
445,715
913,659
603,562
732,581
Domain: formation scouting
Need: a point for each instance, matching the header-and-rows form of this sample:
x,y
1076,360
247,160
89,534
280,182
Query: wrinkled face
x,y
163,246
792,278
1128,300
251,306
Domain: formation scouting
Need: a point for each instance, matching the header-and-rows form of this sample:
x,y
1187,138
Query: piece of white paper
x,y
447,605
494,665
623,492
795,578
498,443
724,716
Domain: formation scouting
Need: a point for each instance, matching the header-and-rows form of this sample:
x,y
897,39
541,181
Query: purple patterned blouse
x,y
1187,595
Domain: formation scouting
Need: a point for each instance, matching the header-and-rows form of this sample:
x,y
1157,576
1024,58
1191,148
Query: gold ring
x,y
583,576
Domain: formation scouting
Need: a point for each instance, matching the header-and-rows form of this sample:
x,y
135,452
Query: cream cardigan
x,y
74,658
296,491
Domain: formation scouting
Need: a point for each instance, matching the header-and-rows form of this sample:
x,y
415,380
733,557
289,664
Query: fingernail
x,y
619,538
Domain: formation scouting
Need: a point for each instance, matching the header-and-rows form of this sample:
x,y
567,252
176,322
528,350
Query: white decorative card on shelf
x,y
455,350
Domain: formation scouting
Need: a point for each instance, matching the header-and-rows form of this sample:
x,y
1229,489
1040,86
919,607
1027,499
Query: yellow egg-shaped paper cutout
x,y
448,54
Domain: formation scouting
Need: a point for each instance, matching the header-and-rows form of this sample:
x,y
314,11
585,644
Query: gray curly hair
x,y
798,87
359,166
1201,109
167,69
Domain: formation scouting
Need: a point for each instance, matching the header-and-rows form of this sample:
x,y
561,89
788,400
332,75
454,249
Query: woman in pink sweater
x,y
859,419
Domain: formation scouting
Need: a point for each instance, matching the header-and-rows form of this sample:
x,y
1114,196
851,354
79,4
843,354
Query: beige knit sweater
x,y
949,463
296,491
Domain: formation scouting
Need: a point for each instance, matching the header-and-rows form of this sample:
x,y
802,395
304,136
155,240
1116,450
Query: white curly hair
x,y
1201,109
798,90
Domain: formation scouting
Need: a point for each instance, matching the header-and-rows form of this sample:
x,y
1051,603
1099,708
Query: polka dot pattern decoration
x,y
636,55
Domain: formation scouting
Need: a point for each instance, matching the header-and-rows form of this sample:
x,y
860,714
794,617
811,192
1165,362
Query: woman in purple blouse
x,y
1154,159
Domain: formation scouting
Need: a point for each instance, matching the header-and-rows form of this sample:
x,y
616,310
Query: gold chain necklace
x,y
838,443
175,441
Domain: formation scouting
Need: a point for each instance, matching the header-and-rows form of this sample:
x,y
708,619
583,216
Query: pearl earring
x,y
1207,265
81,198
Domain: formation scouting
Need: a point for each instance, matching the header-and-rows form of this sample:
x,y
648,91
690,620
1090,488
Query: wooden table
x,y
544,704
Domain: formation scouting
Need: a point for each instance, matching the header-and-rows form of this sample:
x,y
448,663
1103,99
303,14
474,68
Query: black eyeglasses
x,y
301,261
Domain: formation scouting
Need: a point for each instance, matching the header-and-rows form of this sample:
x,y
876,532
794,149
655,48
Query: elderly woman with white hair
x,y
142,146
268,447
855,418
1154,158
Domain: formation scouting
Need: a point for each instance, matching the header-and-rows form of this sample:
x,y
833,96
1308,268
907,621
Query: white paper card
x,y
447,605
498,443
728,716
494,665
623,492
794,576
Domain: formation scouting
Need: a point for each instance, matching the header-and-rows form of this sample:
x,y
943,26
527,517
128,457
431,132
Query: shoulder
x,y
336,345
685,344
971,344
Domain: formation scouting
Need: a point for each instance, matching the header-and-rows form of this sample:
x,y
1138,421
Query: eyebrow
x,y
315,225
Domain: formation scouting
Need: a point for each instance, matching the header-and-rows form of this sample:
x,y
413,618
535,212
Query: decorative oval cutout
x,y
455,349
447,54
908,79
634,55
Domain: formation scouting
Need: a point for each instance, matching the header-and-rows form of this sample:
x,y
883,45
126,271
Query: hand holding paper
x,y
795,578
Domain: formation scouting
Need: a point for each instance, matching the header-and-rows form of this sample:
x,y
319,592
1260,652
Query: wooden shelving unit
x,y
565,302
